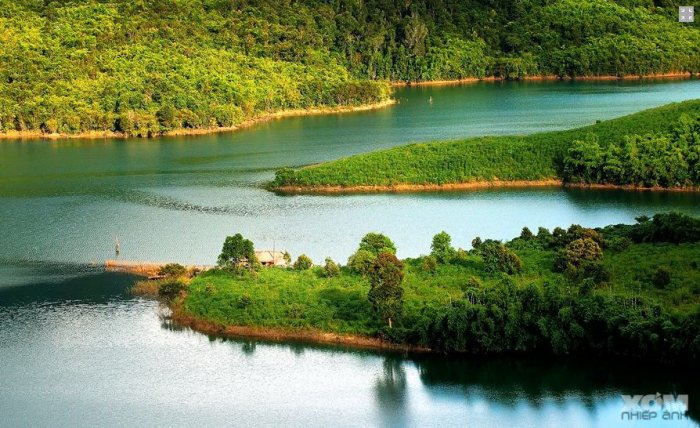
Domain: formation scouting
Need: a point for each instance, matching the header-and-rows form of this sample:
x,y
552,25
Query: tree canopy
x,y
147,67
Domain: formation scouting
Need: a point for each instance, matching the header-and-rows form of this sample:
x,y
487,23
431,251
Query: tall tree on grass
x,y
386,292
377,243
442,248
371,245
237,252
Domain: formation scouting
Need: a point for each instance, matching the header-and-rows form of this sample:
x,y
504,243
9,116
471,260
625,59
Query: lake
x,y
76,348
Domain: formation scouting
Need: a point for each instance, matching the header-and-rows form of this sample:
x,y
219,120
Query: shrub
x,y
244,301
331,269
429,265
461,258
303,262
498,258
618,243
473,282
662,277
476,243
577,253
171,288
172,270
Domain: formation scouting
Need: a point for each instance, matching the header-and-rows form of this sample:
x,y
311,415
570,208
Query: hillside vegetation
x,y
144,67
621,290
656,147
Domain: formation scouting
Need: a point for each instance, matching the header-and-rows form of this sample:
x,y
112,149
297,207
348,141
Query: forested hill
x,y
145,67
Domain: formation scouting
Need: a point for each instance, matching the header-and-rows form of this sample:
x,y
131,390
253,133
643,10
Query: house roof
x,y
267,256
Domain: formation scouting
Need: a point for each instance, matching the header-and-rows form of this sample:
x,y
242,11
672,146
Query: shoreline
x,y
493,79
315,111
281,335
467,186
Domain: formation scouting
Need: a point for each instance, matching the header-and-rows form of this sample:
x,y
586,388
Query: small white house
x,y
271,258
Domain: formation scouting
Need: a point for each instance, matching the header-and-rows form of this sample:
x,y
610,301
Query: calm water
x,y
75,348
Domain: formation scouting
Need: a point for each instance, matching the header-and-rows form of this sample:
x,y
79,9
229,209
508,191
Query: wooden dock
x,y
146,269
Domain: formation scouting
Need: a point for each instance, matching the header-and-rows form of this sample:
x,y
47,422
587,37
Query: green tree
x,y
303,262
377,243
237,252
361,262
386,292
498,258
441,247
331,269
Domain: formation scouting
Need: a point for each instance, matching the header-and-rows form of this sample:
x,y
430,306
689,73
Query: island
x,y
629,291
654,149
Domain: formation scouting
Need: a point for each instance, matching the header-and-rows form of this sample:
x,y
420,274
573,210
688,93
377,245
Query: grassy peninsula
x,y
143,68
656,148
631,290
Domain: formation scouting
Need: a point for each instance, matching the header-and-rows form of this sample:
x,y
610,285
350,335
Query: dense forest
x,y
652,160
658,147
631,290
145,67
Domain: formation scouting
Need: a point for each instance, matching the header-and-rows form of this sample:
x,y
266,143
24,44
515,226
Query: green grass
x,y
532,157
288,298
632,269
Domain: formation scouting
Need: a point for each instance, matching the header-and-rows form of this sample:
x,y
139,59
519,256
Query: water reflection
x,y
538,380
390,392
23,283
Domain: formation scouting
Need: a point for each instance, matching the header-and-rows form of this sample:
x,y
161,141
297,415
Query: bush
x,y
429,265
618,243
498,258
303,262
461,258
662,277
170,289
331,269
172,270
577,253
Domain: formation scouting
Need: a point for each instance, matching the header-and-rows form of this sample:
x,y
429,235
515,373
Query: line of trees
x,y
665,160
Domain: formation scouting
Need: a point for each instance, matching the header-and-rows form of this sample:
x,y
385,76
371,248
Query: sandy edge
x,y
281,335
467,80
466,186
20,135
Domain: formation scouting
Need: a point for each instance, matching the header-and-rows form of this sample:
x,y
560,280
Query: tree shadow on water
x,y
390,391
